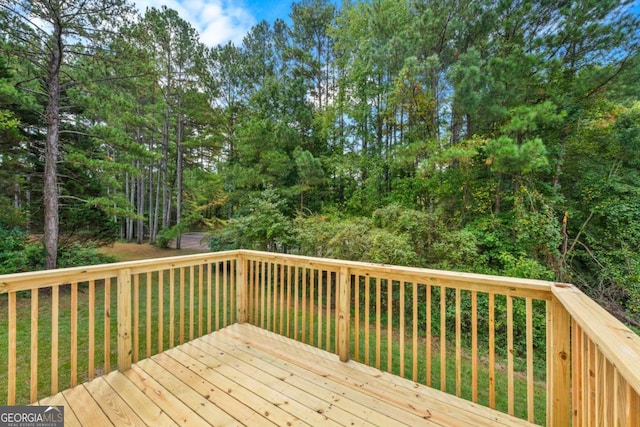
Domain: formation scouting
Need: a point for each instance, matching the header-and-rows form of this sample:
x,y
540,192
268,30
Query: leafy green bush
x,y
264,226
166,236
18,254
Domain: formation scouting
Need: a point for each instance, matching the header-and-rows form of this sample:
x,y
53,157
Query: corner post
x,y
241,289
558,365
124,320
344,290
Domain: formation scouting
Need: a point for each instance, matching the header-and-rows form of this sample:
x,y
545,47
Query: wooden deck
x,y
243,375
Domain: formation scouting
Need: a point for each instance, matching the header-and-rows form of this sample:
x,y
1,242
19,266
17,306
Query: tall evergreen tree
x,y
52,36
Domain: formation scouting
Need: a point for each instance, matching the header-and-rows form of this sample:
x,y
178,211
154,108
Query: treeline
x,y
493,136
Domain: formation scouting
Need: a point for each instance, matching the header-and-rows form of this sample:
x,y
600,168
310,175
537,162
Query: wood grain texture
x,y
244,375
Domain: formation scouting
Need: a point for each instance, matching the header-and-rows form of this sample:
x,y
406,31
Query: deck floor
x,y
243,375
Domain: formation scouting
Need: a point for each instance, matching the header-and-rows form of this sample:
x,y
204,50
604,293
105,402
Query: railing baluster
x,y
414,354
530,378
428,335
136,317
318,275
281,294
443,338
312,305
181,307
458,346
576,373
161,310
274,283
200,299
356,324
269,296
402,327
263,295
209,296
304,304
510,350
148,309
389,325
611,379
172,306
74,334
218,284
35,308
55,304
92,328
296,298
474,346
12,365
329,281
378,319
592,383
367,318
492,351
107,327
288,314
632,414
192,304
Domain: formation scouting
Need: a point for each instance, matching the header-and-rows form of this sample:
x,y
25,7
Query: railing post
x,y
343,297
124,319
558,365
241,290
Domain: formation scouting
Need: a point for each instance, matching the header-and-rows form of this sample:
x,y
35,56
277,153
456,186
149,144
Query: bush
x,y
18,255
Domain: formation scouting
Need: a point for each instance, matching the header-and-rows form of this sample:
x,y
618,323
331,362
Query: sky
x,y
221,21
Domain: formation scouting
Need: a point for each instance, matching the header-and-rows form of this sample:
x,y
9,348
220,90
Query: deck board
x,y
243,375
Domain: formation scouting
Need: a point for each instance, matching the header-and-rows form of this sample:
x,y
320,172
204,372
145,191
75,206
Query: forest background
x,y
493,136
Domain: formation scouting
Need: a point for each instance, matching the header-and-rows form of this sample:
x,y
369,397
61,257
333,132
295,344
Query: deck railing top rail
x,y
45,278
413,272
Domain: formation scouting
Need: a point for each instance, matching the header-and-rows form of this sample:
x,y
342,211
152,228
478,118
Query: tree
x,y
52,36
310,172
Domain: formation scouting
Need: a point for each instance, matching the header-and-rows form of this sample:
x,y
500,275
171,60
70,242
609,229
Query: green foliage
x,y
355,239
166,236
444,134
262,226
18,254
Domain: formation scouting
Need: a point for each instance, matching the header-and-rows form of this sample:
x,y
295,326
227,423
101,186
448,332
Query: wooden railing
x,y
104,316
541,351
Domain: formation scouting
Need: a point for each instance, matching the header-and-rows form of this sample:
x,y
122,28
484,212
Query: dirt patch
x,y
195,240
134,251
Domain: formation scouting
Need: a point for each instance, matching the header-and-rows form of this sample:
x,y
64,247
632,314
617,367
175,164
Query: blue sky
x,y
220,21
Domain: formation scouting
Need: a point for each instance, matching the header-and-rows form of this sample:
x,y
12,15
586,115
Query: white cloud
x,y
217,21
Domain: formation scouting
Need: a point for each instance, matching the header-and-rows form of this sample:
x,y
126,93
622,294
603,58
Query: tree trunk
x,y
51,221
179,173
128,191
156,213
165,172
140,201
